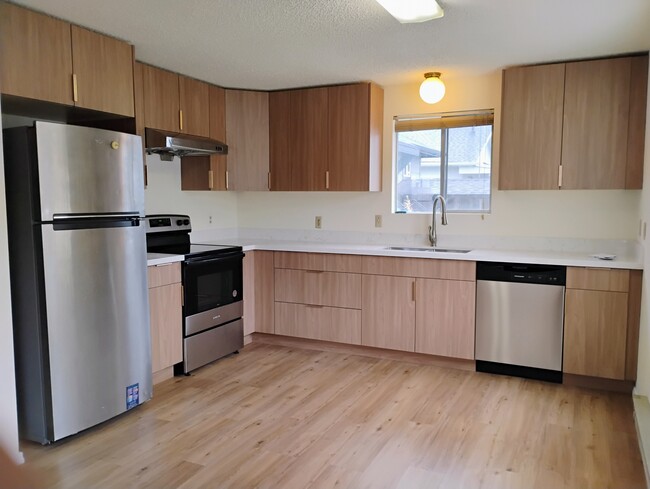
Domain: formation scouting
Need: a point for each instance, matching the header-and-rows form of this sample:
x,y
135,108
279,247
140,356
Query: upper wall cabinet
x,y
327,138
574,125
175,103
247,129
47,59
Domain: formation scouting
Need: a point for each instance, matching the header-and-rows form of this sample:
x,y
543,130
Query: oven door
x,y
212,291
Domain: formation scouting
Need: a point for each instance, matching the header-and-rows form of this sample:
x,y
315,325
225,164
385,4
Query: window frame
x,y
442,121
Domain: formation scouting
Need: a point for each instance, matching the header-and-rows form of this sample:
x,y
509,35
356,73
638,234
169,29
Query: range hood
x,y
168,145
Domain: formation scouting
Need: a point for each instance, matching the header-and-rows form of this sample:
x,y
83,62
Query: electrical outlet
x,y
209,219
318,222
378,220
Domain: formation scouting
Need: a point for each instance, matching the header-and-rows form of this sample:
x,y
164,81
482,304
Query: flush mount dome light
x,y
411,11
432,89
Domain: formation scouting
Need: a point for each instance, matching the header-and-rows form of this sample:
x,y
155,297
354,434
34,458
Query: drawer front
x,y
597,279
318,288
419,267
318,323
159,275
318,261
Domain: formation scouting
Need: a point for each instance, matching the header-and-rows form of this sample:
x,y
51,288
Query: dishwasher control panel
x,y
521,272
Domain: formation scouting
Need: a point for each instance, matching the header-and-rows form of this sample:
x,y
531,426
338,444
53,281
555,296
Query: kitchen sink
x,y
430,250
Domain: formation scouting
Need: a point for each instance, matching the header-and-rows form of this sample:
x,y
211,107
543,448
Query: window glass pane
x,y
469,163
417,175
455,161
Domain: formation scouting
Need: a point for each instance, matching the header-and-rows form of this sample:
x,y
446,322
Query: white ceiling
x,y
271,44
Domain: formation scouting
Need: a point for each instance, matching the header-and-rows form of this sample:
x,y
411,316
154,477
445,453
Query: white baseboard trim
x,y
642,422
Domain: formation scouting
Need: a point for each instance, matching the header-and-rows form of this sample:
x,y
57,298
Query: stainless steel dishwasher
x,y
520,319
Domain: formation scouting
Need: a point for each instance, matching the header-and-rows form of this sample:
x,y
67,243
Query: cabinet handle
x,y
180,118
559,177
327,180
164,264
314,271
211,179
227,180
182,295
268,182
314,306
75,88
413,291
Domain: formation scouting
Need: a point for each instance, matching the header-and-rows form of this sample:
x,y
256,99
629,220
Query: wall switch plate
x,y
378,220
318,222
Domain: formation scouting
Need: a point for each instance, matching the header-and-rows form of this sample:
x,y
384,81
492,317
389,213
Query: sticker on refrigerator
x,y
132,396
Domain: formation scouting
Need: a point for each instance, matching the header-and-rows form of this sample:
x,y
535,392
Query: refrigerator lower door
x,y
97,322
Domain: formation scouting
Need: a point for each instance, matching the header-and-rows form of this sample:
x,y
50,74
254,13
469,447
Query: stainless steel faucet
x,y
433,237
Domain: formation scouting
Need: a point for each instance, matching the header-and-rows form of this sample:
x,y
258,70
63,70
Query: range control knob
x,y
186,222
179,222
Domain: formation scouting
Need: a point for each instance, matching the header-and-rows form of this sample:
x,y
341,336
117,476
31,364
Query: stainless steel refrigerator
x,y
75,196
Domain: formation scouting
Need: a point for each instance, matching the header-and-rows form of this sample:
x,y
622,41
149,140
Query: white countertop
x,y
162,259
576,259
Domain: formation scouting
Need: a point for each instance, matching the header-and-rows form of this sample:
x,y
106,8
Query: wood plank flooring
x,y
280,417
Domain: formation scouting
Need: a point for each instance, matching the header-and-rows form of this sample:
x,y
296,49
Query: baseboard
x,y
622,386
403,356
642,422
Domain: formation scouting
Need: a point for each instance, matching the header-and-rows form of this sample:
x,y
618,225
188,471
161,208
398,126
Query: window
x,y
448,154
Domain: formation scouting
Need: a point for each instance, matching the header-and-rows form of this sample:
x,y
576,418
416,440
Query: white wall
x,y
571,214
643,369
8,413
164,196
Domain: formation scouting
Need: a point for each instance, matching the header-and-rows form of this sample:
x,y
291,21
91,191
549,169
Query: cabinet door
x,y
195,106
161,99
388,312
595,326
247,128
531,127
165,308
596,114
444,318
258,292
280,140
355,127
103,68
318,322
36,56
309,143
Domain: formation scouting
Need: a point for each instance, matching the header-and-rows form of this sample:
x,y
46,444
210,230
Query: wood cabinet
x,y
575,125
175,103
445,317
258,292
161,100
103,72
47,59
327,138
247,126
318,322
388,319
601,323
166,318
318,288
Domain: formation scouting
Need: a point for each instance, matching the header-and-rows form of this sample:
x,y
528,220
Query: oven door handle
x,y
214,259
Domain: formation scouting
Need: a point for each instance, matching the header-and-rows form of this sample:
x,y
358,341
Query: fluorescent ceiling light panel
x,y
410,11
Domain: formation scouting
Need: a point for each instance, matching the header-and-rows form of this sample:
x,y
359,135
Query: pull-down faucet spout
x,y
433,237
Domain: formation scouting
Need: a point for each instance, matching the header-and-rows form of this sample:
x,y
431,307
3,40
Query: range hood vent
x,y
168,145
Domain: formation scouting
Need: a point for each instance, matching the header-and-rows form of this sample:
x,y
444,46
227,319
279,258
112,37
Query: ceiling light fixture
x,y
432,89
411,11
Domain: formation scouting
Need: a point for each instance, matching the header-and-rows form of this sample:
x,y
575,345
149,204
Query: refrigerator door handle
x,y
96,222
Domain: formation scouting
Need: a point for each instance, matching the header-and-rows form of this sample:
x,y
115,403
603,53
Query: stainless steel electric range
x,y
212,290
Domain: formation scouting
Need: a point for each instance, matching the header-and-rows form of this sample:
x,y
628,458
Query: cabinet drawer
x,y
169,273
318,261
597,279
318,322
318,288
419,267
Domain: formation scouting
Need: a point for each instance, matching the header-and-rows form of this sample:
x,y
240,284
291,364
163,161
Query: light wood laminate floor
x,y
280,417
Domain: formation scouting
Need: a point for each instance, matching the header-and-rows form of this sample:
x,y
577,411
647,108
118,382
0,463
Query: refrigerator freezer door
x,y
85,171
97,323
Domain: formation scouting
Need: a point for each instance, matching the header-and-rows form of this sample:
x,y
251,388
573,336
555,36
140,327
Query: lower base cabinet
x,y
318,322
444,317
388,305
166,316
258,292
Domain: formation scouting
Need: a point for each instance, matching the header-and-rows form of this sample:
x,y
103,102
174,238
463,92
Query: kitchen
x,y
521,218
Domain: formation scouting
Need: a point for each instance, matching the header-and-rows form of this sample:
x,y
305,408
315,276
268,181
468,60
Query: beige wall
x,y
575,214
8,414
643,370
